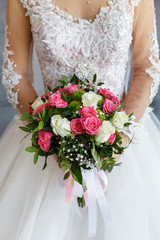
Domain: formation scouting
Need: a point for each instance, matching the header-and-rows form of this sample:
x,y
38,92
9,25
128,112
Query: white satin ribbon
x,y
89,178
95,194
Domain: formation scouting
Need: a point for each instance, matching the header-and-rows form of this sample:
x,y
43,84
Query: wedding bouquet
x,y
82,123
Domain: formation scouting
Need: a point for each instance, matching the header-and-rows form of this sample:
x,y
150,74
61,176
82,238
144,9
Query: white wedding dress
x,y
32,202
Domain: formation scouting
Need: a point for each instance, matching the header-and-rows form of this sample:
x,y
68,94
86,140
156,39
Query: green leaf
x,y
72,182
40,126
40,116
76,173
64,168
72,135
94,78
31,126
44,113
35,142
100,84
65,162
75,79
64,78
127,124
131,115
110,169
66,175
60,81
42,153
69,98
63,97
25,129
45,164
73,108
55,89
121,106
35,157
26,116
47,129
65,113
49,88
31,149
96,156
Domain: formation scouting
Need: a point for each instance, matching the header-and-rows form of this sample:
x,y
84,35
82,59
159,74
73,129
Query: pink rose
x,y
44,140
56,101
71,89
109,106
40,108
44,146
30,109
109,95
76,126
112,138
88,112
43,97
91,125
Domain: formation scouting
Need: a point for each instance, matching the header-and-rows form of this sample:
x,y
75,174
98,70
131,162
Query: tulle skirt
x,y
32,201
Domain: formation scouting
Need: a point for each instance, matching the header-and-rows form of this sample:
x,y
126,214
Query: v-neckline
x,y
65,15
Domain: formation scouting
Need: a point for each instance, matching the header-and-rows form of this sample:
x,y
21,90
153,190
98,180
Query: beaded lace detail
x,y
100,46
10,77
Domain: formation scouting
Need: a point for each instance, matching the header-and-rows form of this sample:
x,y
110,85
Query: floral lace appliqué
x,y
154,70
10,77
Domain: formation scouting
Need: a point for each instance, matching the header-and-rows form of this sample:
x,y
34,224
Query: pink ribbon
x,y
69,189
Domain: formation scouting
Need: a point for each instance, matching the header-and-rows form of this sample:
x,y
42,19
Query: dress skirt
x,y
32,201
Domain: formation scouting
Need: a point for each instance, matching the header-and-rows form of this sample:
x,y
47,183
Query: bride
x,y
81,37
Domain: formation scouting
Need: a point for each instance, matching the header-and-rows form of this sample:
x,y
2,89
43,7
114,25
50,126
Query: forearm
x,y
26,94
137,98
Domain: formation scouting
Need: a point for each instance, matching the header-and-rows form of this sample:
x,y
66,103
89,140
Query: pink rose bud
x,y
91,125
76,126
40,108
56,101
112,138
30,109
43,97
109,95
109,106
88,112
44,140
71,89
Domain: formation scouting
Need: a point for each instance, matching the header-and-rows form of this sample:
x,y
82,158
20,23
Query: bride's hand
x,y
125,141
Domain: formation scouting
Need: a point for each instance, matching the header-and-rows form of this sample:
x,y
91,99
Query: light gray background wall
x,y
6,110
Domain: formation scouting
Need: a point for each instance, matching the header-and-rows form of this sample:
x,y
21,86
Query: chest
x,y
106,38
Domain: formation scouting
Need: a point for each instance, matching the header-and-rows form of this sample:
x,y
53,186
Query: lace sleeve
x,y
17,72
145,66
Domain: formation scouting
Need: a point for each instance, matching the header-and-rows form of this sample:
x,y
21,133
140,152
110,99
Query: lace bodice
x,y
87,47
64,46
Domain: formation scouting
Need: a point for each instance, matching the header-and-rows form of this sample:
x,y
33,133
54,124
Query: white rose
x,y
90,99
119,119
37,103
104,132
61,126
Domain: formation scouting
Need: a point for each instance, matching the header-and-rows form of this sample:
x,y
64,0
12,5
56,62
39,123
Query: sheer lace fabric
x,y
17,70
65,47
10,77
145,65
